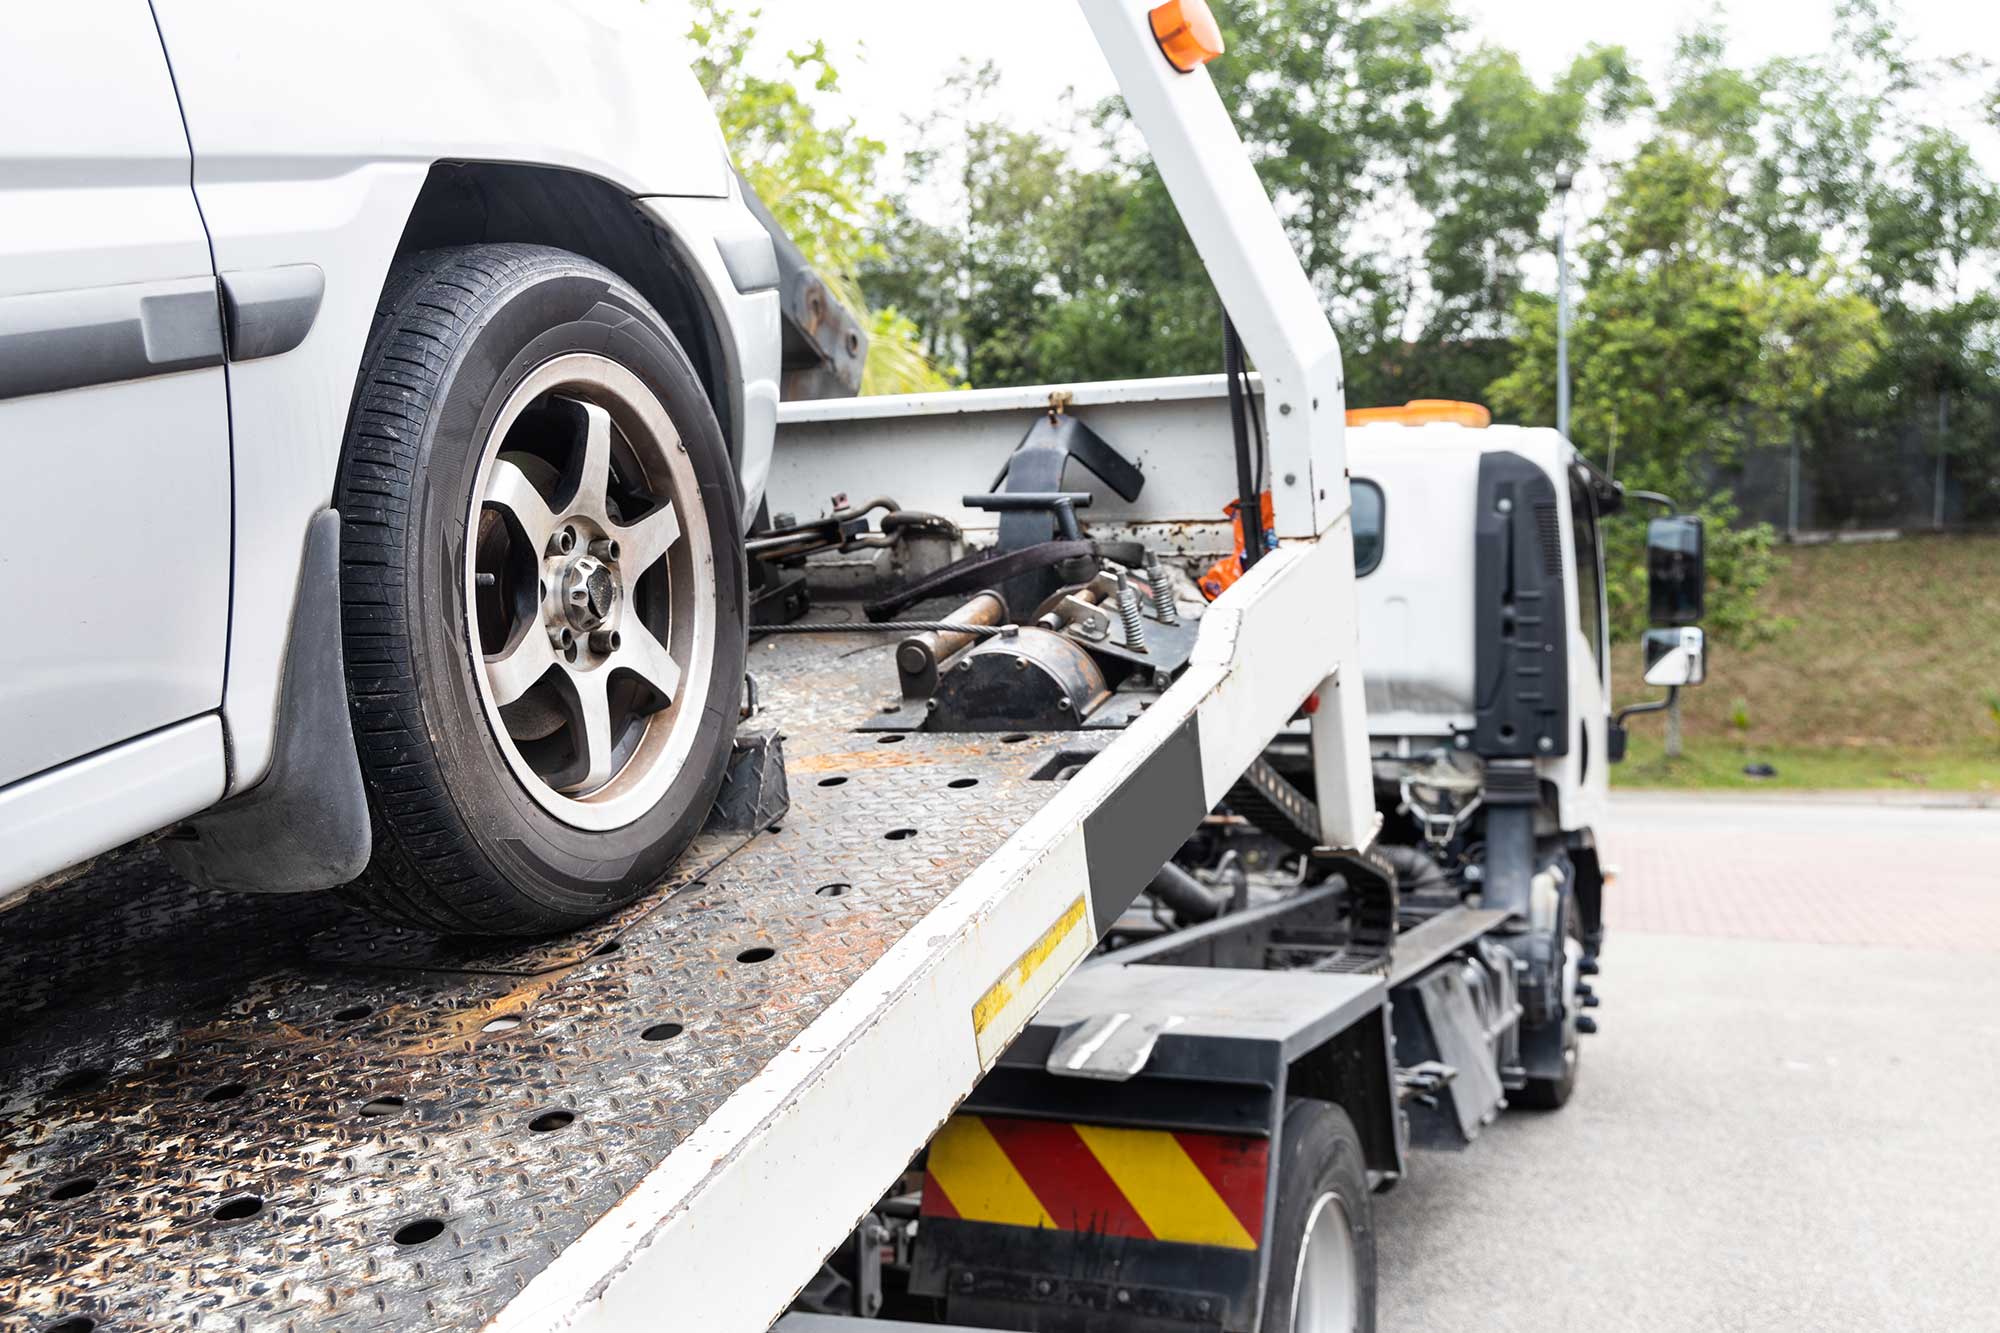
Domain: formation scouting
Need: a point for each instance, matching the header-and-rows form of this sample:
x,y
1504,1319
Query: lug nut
x,y
604,549
604,642
1586,1024
566,541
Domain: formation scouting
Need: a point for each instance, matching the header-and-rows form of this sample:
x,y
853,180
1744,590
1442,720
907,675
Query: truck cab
x,y
1417,491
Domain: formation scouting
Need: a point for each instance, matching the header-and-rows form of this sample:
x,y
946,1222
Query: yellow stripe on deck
x,y
976,1176
1164,1186
1025,967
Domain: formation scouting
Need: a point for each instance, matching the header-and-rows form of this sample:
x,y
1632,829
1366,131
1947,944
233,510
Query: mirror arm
x,y
1655,706
1654,497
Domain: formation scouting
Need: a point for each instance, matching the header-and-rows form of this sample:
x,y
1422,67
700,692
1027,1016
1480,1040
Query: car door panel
x,y
114,419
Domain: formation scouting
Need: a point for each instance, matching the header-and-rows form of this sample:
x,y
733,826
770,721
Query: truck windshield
x,y
1367,526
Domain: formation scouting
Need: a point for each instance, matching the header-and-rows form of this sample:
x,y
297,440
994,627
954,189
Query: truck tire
x,y
543,597
1322,1274
1552,1094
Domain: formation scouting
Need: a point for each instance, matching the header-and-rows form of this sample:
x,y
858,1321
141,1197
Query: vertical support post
x,y
1236,231
1507,871
1343,772
1937,484
1342,778
1792,489
1563,181
1249,258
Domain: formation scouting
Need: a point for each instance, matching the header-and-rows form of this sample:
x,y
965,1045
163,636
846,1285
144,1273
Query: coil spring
x,y
1163,591
1128,611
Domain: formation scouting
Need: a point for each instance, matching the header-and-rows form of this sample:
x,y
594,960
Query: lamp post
x,y
1564,179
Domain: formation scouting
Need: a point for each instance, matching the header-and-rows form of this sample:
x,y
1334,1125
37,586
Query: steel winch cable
x,y
888,627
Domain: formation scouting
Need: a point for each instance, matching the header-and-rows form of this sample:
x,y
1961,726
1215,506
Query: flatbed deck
x,y
230,1111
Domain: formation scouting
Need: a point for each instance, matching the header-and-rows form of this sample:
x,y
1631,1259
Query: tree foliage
x,y
818,178
1803,249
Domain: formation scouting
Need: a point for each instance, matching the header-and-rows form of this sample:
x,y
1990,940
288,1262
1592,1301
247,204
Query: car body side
x,y
336,138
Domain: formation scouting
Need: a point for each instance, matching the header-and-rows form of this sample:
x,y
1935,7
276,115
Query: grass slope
x,y
1886,673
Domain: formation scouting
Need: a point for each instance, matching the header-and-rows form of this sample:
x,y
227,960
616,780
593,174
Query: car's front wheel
x,y
542,593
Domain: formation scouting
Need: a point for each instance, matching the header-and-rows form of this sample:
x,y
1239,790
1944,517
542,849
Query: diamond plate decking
x,y
232,1112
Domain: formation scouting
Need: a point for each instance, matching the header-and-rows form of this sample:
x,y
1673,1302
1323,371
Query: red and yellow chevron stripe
x,y
1200,1189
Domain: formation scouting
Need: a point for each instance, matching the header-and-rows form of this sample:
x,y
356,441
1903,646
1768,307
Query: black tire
x,y
1320,1158
1552,1094
460,846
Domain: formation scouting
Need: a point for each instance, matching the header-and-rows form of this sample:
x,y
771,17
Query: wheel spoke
x,y
512,672
592,728
647,540
594,480
508,488
645,656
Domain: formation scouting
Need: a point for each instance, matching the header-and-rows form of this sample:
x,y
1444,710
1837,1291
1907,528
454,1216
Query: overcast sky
x,y
893,54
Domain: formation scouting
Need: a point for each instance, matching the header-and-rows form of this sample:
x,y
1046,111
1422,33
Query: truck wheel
x,y
1322,1275
542,587
1552,1094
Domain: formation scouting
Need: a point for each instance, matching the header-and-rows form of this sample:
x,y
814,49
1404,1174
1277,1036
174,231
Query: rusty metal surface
x,y
248,1112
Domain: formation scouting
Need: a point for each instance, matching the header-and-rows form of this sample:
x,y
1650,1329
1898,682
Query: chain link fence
x,y
1877,474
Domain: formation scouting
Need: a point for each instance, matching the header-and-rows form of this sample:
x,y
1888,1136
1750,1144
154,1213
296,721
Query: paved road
x,y
1790,1118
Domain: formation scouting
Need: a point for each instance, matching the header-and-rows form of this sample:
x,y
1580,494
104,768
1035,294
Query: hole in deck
x,y
419,1231
382,1106
760,954
353,1013
89,1079
548,1122
74,1324
832,782
1063,765
73,1189
609,946
238,1208
890,738
504,1023
662,1032
900,834
223,1092
832,890
1014,737
960,784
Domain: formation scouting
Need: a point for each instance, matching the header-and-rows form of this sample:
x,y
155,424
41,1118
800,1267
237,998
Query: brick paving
x,y
1823,870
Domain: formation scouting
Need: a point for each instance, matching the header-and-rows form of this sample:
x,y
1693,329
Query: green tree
x,y
1364,120
817,178
1679,351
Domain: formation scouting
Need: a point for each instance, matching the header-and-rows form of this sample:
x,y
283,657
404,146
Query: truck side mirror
x,y
1676,574
1675,657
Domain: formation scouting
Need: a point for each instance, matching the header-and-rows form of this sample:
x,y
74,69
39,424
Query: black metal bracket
x,y
755,794
1037,508
1038,462
1062,505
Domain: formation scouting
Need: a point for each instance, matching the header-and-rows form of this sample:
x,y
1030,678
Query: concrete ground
x,y
1790,1115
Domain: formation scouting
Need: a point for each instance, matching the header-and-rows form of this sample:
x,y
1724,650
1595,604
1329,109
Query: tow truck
x,y
1044,966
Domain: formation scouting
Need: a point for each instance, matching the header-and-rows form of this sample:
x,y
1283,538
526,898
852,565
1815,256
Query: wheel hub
x,y
589,592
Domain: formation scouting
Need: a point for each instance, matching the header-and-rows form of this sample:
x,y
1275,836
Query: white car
x,y
384,389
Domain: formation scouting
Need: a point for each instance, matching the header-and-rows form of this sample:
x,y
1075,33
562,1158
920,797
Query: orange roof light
x,y
1188,33
1421,411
